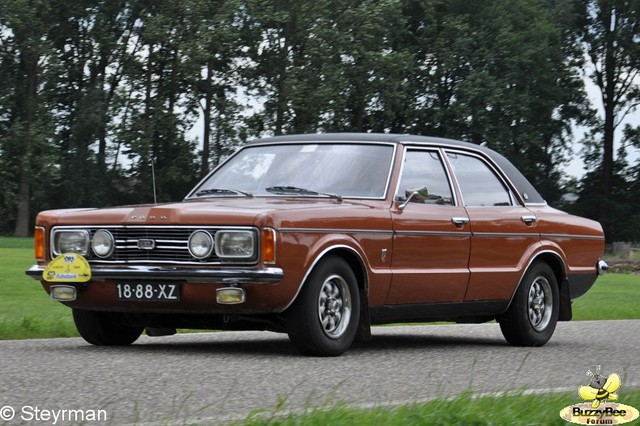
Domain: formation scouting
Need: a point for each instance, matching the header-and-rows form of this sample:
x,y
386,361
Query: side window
x,y
424,173
478,183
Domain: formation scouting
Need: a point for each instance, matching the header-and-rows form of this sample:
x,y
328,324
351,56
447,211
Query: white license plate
x,y
148,292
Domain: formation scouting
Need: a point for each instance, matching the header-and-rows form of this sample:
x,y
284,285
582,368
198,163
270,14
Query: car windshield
x,y
322,169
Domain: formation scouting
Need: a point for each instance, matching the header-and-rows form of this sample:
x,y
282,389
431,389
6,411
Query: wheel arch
x,y
356,262
558,266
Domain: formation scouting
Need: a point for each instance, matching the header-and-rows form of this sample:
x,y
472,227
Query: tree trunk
x,y
25,106
608,100
206,137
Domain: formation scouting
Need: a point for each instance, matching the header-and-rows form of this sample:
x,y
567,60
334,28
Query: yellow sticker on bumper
x,y
67,268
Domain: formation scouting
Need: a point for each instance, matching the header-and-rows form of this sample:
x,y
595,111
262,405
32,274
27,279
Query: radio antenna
x,y
153,178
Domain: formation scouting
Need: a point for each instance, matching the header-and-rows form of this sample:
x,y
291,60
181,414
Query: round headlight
x,y
200,244
102,243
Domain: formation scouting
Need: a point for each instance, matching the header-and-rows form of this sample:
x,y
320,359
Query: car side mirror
x,y
416,195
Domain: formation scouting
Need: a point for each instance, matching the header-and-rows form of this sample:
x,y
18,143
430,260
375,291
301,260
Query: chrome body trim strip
x,y
506,235
434,233
573,236
334,231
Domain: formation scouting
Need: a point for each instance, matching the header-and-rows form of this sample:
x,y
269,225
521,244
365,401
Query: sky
x,y
575,167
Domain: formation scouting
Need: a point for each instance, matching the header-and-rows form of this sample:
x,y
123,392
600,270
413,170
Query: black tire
x,y
105,328
533,314
323,320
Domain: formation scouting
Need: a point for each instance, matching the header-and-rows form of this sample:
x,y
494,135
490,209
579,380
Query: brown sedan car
x,y
321,236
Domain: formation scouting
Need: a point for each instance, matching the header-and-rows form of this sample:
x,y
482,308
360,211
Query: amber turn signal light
x,y
268,245
38,239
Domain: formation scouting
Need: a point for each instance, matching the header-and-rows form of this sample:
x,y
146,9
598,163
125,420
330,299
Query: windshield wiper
x,y
220,191
301,191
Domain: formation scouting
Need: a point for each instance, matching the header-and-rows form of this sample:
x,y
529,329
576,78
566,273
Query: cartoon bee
x,y
600,388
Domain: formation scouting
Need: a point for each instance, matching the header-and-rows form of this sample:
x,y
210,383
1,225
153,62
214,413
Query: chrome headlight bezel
x,y
70,241
106,238
201,244
236,244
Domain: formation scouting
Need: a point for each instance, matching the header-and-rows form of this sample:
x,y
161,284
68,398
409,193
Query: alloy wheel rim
x,y
540,304
334,306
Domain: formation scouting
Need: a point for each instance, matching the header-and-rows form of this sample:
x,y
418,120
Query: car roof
x,y
524,187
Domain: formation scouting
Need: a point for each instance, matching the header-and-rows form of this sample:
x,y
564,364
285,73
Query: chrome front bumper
x,y
261,276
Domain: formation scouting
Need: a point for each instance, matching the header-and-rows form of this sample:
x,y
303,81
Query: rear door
x,y
504,232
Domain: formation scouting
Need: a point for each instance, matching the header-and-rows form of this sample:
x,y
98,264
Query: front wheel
x,y
105,328
533,314
323,320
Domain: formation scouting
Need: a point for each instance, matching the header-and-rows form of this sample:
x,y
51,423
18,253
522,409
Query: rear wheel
x,y
323,320
532,317
105,328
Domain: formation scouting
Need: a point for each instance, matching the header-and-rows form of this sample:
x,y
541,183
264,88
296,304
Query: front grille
x,y
164,245
169,245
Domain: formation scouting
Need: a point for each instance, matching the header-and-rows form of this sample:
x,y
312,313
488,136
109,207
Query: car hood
x,y
275,212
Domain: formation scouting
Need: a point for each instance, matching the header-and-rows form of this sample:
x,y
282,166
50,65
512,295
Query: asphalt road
x,y
216,377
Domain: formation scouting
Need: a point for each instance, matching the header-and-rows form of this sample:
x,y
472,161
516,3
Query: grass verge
x,y
26,311
613,296
519,409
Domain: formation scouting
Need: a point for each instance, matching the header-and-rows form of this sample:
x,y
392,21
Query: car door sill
x,y
457,311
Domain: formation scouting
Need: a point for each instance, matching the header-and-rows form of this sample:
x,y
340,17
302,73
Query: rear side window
x,y
479,184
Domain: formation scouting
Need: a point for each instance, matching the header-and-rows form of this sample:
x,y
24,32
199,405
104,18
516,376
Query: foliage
x,y
516,408
96,95
610,32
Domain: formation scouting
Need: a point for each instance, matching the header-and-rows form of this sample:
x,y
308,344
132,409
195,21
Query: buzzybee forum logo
x,y
600,407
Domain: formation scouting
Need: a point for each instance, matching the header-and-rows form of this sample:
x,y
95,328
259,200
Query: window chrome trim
x,y
190,196
441,154
447,146
502,178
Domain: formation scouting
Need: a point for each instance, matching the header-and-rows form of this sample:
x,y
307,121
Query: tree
x,y
27,22
155,108
496,72
611,39
214,51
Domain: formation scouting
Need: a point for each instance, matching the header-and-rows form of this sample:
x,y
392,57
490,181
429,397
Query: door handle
x,y
459,221
529,219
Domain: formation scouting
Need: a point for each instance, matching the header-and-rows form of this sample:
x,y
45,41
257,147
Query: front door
x,y
431,234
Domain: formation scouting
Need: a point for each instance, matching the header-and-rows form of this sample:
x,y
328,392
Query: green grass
x,y
16,243
613,296
26,311
465,410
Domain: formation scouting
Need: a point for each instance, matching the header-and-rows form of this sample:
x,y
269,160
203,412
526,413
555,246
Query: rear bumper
x,y
257,275
580,283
